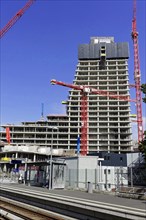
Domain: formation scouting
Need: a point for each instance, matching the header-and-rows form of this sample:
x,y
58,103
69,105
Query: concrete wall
x,y
90,162
113,50
132,157
102,177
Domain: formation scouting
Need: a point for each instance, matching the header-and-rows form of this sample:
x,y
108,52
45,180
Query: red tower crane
x,y
137,75
15,18
8,137
84,91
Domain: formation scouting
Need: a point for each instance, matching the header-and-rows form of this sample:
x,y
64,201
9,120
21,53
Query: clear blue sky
x,y
43,45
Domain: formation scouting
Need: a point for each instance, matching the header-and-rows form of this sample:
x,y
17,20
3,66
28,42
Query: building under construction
x,y
102,65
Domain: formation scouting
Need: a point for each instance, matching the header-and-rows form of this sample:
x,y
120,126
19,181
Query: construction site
x,y
102,121
98,106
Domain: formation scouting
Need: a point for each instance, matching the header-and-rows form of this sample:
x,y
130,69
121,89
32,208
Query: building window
x,y
109,171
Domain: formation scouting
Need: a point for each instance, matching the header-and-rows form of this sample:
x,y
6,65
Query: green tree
x,y
143,89
142,145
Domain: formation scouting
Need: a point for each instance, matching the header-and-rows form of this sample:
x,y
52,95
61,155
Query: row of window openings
x,y
110,103
94,77
105,71
118,143
41,136
93,104
115,131
75,130
72,123
36,130
63,135
35,141
98,98
73,138
102,118
75,101
100,78
107,63
101,83
77,105
109,137
96,112
107,86
98,63
111,75
47,141
108,119
56,143
103,124
92,108
117,67
93,127
44,130
111,116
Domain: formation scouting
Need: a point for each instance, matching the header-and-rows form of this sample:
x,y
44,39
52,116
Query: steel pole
x,y
51,161
50,176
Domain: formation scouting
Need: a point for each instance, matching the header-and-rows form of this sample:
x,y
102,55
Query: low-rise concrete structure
x,y
106,171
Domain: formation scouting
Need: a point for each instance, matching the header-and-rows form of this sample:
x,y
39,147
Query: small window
x,y
121,159
109,185
109,171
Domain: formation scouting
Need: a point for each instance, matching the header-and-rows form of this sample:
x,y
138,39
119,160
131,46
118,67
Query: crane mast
x,y
137,75
15,18
84,109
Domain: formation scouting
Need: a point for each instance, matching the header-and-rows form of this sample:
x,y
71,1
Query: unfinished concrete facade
x,y
103,65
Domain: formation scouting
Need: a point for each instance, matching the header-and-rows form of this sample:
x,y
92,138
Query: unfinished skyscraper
x,y
103,65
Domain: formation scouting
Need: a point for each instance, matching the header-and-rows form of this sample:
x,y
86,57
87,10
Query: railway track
x,y
20,212
13,210
68,207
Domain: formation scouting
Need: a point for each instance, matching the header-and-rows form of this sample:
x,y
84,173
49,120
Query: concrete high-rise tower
x,y
103,65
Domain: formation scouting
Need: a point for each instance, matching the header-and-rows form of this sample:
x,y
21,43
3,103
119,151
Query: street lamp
x,y
50,178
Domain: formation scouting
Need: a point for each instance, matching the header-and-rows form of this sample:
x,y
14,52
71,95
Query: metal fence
x,y
101,180
6,177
